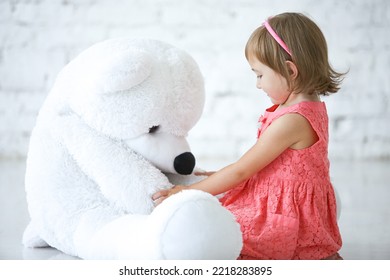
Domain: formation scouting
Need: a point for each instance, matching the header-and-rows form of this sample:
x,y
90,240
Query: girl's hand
x,y
160,196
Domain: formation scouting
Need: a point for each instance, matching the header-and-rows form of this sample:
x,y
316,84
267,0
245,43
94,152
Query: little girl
x,y
280,191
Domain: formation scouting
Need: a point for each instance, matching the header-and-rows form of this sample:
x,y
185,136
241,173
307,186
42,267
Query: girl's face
x,y
271,82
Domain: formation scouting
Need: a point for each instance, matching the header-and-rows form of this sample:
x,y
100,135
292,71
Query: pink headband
x,y
276,37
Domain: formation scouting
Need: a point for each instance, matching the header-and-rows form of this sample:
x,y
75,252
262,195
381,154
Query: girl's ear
x,y
292,70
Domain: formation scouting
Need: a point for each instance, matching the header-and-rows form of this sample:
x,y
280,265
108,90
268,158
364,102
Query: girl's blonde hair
x,y
309,52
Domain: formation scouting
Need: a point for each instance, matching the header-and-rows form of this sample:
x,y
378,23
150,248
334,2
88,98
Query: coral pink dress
x,y
288,209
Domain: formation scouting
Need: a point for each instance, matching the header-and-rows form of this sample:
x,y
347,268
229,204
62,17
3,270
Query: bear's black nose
x,y
184,163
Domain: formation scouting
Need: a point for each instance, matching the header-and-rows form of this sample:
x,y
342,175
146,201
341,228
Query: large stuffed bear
x,y
110,134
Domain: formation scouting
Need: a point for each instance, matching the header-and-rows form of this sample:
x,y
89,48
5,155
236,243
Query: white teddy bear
x,y
115,120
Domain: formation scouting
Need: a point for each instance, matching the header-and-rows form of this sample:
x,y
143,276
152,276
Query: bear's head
x,y
144,93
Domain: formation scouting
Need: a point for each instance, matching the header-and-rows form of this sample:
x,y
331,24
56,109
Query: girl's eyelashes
x,y
258,75
153,129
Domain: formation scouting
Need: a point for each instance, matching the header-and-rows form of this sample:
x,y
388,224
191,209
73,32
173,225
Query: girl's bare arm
x,y
290,130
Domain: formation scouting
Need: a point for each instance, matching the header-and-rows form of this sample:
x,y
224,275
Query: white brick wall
x,y
37,37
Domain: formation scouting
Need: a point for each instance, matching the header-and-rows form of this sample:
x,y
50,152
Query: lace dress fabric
x,y
288,209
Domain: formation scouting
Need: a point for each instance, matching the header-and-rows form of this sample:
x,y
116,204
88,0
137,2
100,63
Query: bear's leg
x,y
31,239
104,236
188,225
194,225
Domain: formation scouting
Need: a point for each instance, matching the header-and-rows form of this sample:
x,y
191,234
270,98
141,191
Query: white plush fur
x,y
93,166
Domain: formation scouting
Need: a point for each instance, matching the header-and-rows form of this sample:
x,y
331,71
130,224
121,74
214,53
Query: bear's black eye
x,y
153,129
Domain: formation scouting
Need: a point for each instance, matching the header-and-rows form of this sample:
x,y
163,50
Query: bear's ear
x,y
118,72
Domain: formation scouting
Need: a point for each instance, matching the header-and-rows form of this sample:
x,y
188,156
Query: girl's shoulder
x,y
307,115
292,131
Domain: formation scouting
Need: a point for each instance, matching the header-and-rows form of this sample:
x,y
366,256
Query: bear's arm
x,y
125,178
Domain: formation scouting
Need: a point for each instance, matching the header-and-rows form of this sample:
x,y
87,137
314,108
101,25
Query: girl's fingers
x,y
159,200
159,194
204,173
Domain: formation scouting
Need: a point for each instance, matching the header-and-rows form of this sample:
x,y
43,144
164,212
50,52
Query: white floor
x,y
364,189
